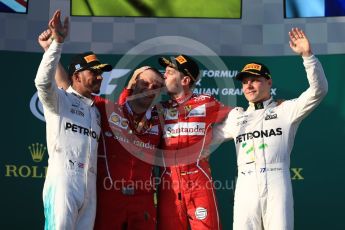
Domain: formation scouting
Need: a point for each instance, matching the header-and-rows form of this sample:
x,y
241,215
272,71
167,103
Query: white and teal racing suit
x,y
73,128
264,136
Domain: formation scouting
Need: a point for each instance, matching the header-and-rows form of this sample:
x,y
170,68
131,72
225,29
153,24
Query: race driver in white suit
x,y
73,129
264,135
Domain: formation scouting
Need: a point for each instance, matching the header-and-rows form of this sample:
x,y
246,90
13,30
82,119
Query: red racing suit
x,y
186,194
125,192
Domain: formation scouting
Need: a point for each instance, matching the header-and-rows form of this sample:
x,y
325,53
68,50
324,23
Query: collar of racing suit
x,y
140,124
259,105
129,110
179,101
86,100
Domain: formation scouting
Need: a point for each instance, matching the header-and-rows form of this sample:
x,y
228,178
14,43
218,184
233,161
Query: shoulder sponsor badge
x,y
188,108
114,118
171,114
270,114
199,111
117,120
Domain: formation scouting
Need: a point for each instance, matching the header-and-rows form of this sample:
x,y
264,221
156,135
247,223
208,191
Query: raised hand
x,y
299,42
44,39
59,31
134,77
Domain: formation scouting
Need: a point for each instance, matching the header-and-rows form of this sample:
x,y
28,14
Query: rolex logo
x,y
37,151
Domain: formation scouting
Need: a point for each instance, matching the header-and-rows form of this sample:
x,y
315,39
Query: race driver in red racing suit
x,y
186,194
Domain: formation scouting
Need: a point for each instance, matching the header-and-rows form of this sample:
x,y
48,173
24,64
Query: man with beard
x,y
73,130
129,136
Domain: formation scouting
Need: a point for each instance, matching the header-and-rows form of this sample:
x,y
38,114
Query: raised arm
x,y
127,92
44,40
44,81
318,85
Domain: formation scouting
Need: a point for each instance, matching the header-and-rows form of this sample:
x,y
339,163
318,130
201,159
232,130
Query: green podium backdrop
x,y
316,161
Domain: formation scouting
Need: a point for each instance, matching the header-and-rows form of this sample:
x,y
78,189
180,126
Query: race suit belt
x,y
80,167
183,173
190,167
247,169
71,166
130,191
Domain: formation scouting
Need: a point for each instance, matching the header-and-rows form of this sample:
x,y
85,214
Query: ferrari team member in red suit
x,y
130,135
